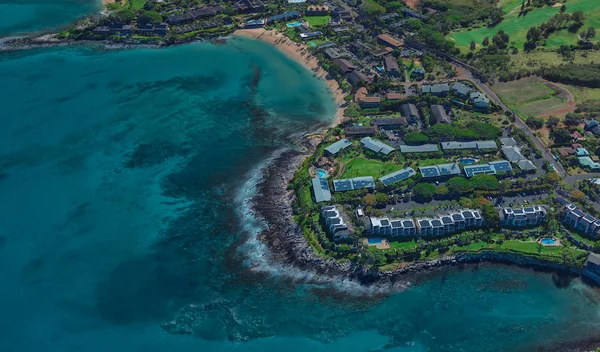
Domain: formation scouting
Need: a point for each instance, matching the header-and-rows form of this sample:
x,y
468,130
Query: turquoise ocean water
x,y
121,180
22,16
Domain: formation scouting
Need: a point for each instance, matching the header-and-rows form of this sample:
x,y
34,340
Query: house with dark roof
x,y
397,176
359,48
479,100
412,13
391,66
356,77
440,90
390,124
410,112
349,184
332,53
344,65
360,131
439,113
418,74
284,17
311,35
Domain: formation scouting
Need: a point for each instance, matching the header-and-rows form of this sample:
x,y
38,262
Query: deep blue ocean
x,y
122,181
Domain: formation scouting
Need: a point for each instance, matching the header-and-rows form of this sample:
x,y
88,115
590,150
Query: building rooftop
x,y
337,146
508,142
425,148
321,189
472,170
501,166
376,146
397,176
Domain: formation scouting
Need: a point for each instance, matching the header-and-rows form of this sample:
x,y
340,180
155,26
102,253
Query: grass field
x,y
543,107
583,93
368,167
530,247
399,245
537,59
516,27
316,21
525,90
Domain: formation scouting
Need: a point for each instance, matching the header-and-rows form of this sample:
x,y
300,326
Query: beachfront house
x,y
336,222
338,146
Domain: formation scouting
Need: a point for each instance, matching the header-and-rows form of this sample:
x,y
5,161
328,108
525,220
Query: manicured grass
x,y
582,239
527,247
315,21
368,167
509,5
516,27
400,245
429,162
525,90
541,107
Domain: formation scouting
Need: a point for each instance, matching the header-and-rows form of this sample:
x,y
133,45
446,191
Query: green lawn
x,y
316,21
400,245
518,92
527,247
516,27
541,107
368,167
582,93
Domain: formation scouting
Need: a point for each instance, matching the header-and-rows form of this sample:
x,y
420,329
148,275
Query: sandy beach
x,y
299,53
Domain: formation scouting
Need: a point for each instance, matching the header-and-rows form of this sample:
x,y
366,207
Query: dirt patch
x,y
412,3
566,95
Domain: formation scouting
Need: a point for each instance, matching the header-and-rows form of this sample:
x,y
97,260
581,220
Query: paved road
x,y
547,155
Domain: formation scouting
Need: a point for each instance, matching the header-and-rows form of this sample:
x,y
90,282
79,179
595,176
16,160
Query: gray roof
x,y
337,146
501,165
526,165
439,113
469,145
472,170
397,176
594,259
348,184
440,170
461,88
425,148
376,146
410,110
508,141
513,154
321,189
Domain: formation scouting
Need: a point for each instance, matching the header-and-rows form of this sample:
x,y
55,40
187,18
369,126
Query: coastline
x,y
300,54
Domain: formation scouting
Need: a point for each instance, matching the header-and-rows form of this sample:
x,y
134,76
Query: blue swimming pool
x,y
467,161
548,241
321,173
374,240
295,24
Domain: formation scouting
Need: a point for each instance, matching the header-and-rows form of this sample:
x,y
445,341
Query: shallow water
x,y
25,16
120,182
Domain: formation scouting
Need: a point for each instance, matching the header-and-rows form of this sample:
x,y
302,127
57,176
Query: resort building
x,y
513,154
332,53
338,146
344,65
479,100
410,112
255,23
356,77
311,35
587,163
491,168
592,267
390,124
360,131
417,74
440,170
283,17
424,148
397,176
376,146
522,217
480,145
369,102
335,222
391,66
508,141
439,113
461,89
580,221
390,41
440,90
321,189
426,226
349,184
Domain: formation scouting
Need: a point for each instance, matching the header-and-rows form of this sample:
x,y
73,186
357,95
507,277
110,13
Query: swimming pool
x,y
295,24
548,241
467,161
374,241
321,173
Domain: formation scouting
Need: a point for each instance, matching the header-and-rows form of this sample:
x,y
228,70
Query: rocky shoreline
x,y
273,204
